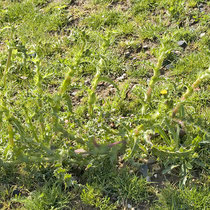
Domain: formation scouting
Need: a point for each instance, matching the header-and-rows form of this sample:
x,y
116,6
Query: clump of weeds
x,y
104,104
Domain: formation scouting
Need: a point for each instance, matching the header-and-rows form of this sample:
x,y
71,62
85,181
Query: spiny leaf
x,y
163,135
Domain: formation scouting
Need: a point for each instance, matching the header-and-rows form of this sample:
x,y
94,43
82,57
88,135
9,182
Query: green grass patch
x,y
104,104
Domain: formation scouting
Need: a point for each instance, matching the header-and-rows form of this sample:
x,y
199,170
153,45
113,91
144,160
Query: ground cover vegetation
x,y
104,104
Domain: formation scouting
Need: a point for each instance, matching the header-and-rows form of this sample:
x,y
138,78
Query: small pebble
x,y
176,52
144,170
23,77
16,192
169,66
202,34
145,47
33,55
148,179
112,90
121,78
74,93
129,206
79,151
182,44
127,54
201,8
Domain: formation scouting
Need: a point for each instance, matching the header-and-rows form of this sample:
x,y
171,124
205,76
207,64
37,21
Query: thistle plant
x,y
11,46
66,82
68,77
156,73
155,77
190,90
4,77
92,92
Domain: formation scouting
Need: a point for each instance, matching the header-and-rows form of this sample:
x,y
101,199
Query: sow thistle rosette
x,y
163,134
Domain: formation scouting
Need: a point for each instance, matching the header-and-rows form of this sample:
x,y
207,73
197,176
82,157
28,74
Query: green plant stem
x,y
10,132
66,82
33,129
7,66
190,91
155,76
92,94
153,80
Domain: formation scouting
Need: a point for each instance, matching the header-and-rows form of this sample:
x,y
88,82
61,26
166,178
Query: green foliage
x,y
91,91
48,197
130,187
184,198
105,19
93,197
